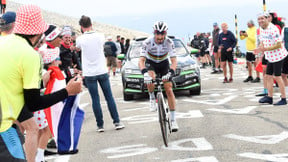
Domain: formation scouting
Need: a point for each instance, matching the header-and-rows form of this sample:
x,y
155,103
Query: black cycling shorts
x,y
250,57
202,53
264,61
285,66
215,49
274,68
160,69
25,114
207,53
226,56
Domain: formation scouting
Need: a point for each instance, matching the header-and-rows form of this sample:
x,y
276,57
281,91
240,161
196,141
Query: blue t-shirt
x,y
227,40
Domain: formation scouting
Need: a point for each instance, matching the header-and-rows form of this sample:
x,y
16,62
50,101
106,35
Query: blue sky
x,y
184,17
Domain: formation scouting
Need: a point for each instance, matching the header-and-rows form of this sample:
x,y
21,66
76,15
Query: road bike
x,y
163,112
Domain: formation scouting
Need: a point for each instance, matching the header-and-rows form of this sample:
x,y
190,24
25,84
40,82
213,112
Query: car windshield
x,y
135,49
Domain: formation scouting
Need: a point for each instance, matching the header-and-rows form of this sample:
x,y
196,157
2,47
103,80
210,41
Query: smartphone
x,y
243,31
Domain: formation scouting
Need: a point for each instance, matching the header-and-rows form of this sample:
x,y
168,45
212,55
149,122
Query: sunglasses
x,y
159,33
58,59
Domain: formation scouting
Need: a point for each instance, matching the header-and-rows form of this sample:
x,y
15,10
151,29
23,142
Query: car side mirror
x,y
121,56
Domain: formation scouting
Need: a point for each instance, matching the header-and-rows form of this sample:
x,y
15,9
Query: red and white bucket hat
x,y
49,54
29,21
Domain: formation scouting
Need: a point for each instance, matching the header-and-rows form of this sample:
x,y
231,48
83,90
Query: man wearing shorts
x,y
154,61
250,36
216,55
272,46
226,43
110,50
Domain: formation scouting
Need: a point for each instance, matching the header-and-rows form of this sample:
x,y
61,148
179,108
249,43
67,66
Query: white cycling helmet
x,y
160,26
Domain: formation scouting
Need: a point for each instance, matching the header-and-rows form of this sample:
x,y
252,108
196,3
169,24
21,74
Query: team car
x,y
187,74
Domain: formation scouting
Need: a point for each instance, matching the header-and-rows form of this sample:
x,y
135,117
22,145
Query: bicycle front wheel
x,y
162,119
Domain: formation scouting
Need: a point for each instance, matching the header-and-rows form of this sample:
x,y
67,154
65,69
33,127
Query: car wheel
x,y
195,91
127,97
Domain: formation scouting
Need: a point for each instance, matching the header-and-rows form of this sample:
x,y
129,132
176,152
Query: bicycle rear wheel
x,y
162,119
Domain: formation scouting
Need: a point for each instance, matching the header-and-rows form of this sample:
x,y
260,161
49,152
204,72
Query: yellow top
x,y
251,39
19,69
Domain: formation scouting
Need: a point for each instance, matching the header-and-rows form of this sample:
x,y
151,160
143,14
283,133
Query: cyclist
x,y
154,61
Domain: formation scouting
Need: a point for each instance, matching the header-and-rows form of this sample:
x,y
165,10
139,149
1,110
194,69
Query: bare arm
x,y
274,47
173,63
141,63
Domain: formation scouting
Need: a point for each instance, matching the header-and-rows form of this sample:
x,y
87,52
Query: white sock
x,y
172,114
152,95
40,155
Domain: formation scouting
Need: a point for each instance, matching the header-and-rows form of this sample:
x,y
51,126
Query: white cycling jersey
x,y
157,52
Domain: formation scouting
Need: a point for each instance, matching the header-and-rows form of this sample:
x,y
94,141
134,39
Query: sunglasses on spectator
x,y
58,59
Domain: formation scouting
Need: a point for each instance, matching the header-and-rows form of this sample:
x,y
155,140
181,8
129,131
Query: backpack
x,y
108,50
285,37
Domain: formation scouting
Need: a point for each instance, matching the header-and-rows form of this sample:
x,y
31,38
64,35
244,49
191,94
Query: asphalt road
x,y
224,124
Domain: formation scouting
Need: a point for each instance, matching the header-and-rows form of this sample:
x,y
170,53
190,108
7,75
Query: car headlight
x,y
132,71
189,67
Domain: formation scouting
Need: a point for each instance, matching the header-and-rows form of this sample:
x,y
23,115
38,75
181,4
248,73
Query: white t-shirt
x,y
118,48
270,36
92,48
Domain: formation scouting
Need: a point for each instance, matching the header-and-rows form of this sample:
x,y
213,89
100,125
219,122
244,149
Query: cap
x,y
52,33
266,14
215,24
49,54
67,30
109,37
8,17
29,20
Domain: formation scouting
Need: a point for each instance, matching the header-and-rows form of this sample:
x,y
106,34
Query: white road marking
x,y
139,119
245,110
58,158
269,139
199,159
136,109
266,157
212,102
198,144
126,151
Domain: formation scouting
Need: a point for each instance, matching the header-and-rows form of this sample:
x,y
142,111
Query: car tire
x,y
195,91
128,97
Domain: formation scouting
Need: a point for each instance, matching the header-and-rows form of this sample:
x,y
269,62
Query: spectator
x,y
122,41
3,6
127,45
64,117
208,41
226,44
70,63
50,58
250,36
272,46
7,23
196,43
22,86
110,50
273,18
285,63
118,45
215,46
94,70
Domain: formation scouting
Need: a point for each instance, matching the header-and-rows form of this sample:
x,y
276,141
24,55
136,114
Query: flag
x,y
70,124
53,113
